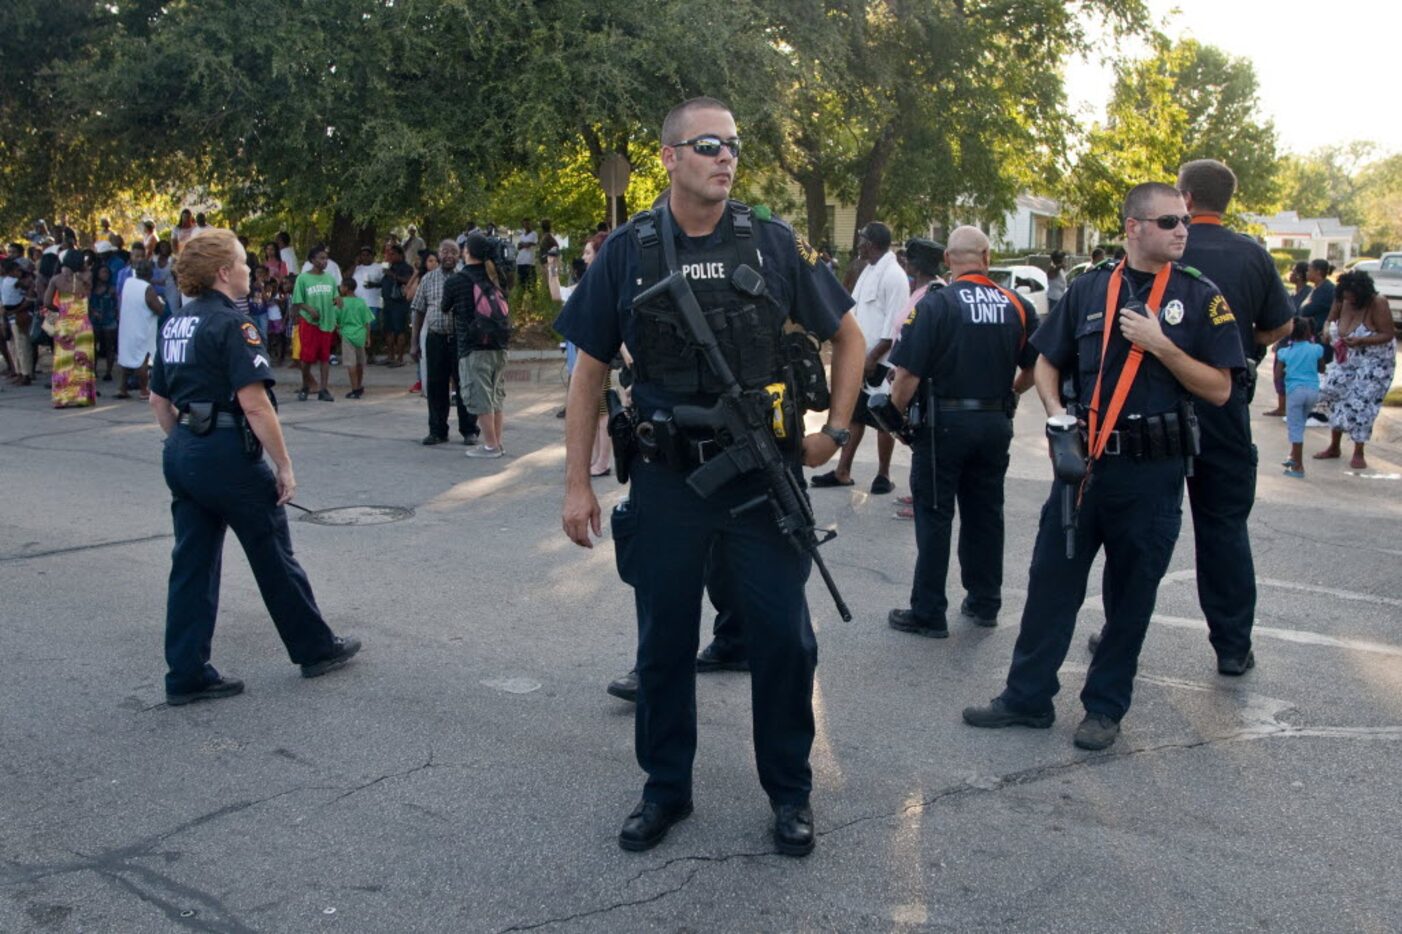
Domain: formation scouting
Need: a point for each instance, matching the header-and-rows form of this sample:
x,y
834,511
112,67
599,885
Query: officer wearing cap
x,y
210,391
961,350
1139,341
1222,488
665,531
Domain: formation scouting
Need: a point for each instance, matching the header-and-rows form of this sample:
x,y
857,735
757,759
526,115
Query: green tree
x,y
1186,101
925,108
1324,183
1379,196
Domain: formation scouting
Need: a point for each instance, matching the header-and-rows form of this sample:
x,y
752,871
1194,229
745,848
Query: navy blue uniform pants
x,y
215,486
1221,492
665,536
1135,510
441,364
727,633
971,461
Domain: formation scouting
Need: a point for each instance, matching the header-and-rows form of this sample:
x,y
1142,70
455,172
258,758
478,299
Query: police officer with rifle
x,y
1140,341
699,289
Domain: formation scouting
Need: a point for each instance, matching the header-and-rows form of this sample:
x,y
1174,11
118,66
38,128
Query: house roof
x,y
1039,205
1291,224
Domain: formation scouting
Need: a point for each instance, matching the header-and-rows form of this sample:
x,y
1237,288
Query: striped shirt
x,y
428,301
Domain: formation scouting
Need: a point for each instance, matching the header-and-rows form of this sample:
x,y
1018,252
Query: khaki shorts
x,y
482,376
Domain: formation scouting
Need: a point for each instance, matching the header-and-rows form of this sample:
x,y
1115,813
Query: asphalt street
x,y
468,773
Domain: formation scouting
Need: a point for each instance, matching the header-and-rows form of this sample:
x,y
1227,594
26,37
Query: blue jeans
x,y
1299,402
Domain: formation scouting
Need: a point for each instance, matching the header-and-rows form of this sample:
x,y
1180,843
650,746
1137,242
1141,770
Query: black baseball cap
x,y
877,233
924,254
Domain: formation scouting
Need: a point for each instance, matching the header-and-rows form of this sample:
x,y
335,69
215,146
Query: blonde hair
x,y
204,254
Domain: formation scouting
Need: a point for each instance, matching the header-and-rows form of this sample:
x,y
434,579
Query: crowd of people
x,y
95,310
1337,365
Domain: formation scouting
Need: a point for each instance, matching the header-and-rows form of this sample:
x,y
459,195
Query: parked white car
x,y
1028,281
1388,279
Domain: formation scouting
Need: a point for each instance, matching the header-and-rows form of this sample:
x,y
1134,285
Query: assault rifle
x,y
741,423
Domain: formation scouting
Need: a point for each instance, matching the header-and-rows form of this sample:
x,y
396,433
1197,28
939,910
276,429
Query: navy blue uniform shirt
x,y
1194,315
598,317
207,352
968,339
1245,273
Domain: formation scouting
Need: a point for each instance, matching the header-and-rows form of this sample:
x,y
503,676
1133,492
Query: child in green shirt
x,y
353,318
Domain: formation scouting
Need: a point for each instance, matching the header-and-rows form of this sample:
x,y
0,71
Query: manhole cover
x,y
358,515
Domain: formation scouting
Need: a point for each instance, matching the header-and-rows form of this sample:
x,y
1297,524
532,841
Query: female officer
x,y
209,390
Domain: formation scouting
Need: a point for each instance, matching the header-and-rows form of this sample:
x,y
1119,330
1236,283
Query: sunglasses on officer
x,y
708,146
1167,221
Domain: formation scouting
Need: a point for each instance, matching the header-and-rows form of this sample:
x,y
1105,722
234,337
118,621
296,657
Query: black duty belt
x,y
972,405
221,419
1152,437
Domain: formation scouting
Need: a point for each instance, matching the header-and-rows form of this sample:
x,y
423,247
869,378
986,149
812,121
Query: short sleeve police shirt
x,y
208,352
1193,314
598,317
969,339
1245,273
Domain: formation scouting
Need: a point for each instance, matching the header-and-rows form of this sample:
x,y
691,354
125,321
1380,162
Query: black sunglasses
x,y
1168,221
709,146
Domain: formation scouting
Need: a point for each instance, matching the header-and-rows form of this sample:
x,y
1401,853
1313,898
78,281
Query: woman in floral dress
x,y
1360,327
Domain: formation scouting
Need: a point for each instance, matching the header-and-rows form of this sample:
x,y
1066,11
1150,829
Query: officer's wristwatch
x,y
840,435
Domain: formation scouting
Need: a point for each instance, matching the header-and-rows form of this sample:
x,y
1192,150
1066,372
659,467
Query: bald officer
x,y
962,348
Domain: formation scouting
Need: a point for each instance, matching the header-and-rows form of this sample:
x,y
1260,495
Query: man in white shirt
x,y
367,275
286,253
881,293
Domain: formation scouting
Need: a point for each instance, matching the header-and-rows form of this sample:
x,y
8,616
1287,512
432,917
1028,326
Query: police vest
x,y
748,329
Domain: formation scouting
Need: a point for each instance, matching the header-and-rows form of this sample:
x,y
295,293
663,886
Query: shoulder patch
x,y
805,250
1219,311
251,337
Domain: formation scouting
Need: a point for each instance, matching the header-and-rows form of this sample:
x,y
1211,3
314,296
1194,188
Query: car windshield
x,y
1392,263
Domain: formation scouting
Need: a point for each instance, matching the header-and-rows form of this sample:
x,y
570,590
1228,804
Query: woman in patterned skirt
x,y
1360,327
74,380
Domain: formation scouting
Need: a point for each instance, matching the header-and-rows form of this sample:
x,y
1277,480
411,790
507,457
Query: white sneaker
x,y
483,450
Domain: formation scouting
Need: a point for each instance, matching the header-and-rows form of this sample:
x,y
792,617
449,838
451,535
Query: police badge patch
x,y
251,335
1173,314
806,251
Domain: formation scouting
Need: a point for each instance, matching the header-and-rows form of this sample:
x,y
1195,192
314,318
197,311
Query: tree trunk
x,y
815,201
347,238
872,177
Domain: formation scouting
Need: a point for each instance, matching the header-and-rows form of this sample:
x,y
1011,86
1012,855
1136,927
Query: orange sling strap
x,y
1098,434
976,279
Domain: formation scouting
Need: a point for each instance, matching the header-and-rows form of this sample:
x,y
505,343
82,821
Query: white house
x,y
1324,237
1033,226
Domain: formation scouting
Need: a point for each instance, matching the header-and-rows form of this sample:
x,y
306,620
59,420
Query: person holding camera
x,y
1138,341
211,395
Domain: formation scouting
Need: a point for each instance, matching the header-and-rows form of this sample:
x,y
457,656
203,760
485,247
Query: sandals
x,y
829,479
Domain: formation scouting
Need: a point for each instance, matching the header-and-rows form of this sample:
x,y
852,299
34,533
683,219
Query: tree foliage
x,y
1185,101
919,109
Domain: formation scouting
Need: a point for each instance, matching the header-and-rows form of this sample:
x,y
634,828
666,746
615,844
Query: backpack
x,y
490,328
